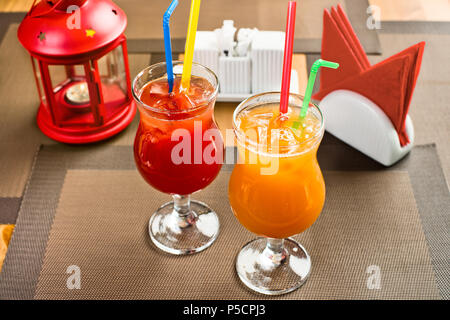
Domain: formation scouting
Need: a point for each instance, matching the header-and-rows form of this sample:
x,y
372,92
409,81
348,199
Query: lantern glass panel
x,y
37,73
58,76
113,81
71,94
64,77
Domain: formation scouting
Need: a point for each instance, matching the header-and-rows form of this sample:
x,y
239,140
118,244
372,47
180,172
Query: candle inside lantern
x,y
78,93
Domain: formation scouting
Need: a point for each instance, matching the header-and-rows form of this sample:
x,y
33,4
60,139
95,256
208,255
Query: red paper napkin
x,y
361,54
337,48
389,84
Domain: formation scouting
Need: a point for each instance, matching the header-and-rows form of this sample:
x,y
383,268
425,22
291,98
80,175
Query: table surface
x,y
429,109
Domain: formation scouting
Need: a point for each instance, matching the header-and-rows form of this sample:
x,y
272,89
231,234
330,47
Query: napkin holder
x,y
360,123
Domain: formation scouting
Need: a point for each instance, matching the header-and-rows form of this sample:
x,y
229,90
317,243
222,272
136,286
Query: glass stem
x,y
182,204
184,216
275,251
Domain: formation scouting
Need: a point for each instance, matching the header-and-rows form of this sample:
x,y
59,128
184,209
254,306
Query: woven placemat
x,y
262,14
89,207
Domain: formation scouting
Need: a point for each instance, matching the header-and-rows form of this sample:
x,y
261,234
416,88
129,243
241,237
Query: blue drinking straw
x,y
167,42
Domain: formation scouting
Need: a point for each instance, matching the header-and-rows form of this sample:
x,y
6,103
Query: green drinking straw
x,y
309,88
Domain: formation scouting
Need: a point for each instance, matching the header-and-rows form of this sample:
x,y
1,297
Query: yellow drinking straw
x,y
190,41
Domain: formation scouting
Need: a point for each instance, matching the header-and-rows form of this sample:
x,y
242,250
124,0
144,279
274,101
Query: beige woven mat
x,y
248,14
101,226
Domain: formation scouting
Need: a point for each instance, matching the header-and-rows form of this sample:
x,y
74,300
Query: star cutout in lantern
x,y
41,36
90,33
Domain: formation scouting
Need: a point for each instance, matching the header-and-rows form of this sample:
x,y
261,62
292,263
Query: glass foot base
x,y
265,272
188,234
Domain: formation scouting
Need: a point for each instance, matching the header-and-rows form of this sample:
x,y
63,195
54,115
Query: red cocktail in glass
x,y
178,150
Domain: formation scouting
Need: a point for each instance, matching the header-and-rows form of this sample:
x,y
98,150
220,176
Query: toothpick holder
x,y
360,123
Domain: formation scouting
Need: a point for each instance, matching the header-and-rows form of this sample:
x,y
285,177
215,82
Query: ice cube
x,y
161,88
257,120
262,135
161,102
155,134
182,101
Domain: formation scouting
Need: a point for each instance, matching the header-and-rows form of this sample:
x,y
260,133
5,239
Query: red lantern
x,y
79,56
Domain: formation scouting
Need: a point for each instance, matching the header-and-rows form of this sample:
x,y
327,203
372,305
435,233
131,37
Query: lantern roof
x,y
71,27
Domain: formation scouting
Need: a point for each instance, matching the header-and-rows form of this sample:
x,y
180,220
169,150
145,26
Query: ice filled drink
x,y
178,150
157,137
289,199
276,189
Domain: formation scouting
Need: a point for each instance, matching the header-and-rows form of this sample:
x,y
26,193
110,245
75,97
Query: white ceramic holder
x,y
360,123
206,50
240,76
235,75
267,52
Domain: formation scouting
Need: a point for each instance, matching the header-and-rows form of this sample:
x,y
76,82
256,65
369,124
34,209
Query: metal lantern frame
x,y
50,45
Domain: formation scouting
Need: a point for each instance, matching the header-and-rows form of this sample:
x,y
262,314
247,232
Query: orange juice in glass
x,y
276,189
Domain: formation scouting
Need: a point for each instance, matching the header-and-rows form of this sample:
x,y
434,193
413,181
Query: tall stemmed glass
x,y
178,150
276,189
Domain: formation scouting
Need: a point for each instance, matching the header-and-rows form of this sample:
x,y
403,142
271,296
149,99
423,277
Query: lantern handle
x,y
39,14
54,5
31,8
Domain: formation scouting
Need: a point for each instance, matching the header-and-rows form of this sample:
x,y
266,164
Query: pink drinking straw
x,y
287,61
